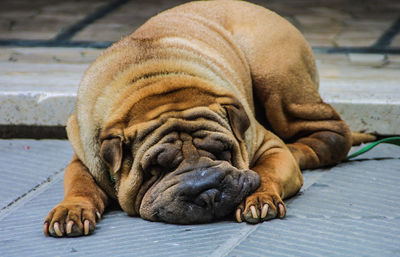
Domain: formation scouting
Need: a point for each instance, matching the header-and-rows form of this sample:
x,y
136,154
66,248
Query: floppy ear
x,y
238,120
111,153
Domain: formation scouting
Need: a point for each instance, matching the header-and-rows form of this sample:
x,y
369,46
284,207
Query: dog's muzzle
x,y
198,192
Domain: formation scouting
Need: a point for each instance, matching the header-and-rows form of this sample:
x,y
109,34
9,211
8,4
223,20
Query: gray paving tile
x,y
42,19
323,237
348,210
116,233
25,164
124,20
356,190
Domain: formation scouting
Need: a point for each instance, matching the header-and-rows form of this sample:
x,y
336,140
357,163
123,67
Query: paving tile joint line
x,y
89,19
387,37
21,200
234,241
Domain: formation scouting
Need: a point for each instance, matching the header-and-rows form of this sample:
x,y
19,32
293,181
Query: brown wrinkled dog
x,y
165,121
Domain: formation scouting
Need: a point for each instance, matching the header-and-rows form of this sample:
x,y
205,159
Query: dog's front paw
x,y
261,206
72,217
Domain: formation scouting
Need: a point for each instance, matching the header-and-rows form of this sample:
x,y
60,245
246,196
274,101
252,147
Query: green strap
x,y
388,140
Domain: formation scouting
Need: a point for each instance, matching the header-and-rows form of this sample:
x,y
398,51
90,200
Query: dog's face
x,y
183,163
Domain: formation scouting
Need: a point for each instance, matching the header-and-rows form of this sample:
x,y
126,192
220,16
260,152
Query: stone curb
x,y
47,110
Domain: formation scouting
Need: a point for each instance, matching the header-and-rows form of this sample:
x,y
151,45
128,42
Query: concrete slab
x,y
348,210
38,85
38,94
364,91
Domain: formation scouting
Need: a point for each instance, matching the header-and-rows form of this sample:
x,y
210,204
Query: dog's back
x,y
213,40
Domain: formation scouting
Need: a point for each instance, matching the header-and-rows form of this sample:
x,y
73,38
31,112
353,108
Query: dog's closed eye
x,y
213,147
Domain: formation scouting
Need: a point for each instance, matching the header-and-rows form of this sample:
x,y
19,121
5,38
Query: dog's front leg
x,y
280,178
83,204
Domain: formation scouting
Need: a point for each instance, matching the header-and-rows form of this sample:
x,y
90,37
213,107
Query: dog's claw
x,y
46,229
57,229
239,215
72,217
261,206
282,211
69,226
86,225
254,212
264,211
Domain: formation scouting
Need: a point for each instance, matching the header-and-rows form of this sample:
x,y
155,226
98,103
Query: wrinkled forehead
x,y
154,106
193,120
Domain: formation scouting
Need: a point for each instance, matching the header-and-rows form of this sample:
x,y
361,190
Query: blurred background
x,y
324,23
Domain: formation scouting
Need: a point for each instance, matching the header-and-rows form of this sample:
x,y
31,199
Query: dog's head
x,y
180,157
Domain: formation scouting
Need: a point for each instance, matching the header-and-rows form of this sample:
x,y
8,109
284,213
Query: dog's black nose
x,y
198,195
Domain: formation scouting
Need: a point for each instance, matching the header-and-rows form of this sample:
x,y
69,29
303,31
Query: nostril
x,y
208,198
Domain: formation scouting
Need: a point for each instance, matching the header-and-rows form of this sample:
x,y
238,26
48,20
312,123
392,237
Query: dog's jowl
x,y
165,121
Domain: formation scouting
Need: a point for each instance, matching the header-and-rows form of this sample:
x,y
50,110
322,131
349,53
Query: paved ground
x,y
348,210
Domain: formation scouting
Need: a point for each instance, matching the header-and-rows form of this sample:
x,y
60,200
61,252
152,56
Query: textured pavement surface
x,y
352,209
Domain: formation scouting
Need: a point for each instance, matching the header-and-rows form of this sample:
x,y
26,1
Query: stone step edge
x,y
38,109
